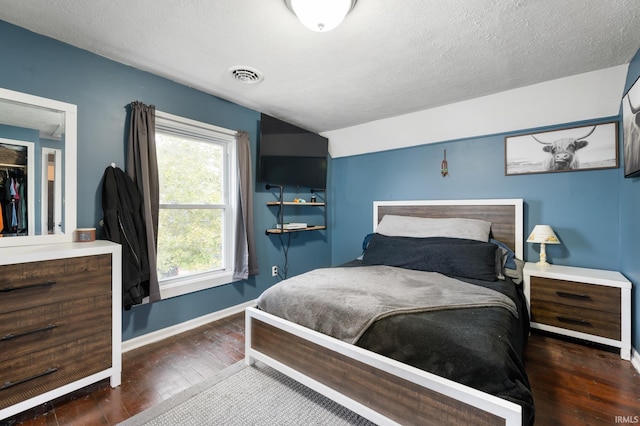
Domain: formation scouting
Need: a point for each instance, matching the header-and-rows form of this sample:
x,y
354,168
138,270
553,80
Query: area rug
x,y
243,395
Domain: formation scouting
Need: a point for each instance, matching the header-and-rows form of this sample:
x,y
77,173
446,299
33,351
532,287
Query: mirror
x,y
37,169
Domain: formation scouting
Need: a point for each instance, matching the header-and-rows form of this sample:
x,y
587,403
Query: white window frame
x,y
178,286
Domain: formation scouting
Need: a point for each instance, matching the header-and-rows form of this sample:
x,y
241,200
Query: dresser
x,y
588,304
60,321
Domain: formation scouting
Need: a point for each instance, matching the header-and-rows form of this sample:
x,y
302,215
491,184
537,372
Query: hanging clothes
x,y
22,210
13,202
3,180
123,224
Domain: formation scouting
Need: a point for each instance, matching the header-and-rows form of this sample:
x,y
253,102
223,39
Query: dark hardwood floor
x,y
576,384
572,384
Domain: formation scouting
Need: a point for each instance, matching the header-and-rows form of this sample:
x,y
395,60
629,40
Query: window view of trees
x,y
192,202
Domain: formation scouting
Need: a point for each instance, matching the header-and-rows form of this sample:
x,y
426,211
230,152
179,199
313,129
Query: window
x,y
198,199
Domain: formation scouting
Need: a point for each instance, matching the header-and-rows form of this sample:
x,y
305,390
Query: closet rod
x,y
19,166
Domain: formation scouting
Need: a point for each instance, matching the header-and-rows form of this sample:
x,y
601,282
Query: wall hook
x,y
444,169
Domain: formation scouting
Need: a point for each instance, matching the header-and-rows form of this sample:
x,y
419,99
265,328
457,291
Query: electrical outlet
x,y
274,271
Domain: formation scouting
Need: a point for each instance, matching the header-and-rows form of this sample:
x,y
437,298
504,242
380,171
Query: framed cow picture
x,y
569,149
631,130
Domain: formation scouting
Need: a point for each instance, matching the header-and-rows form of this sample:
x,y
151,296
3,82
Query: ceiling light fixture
x,y
320,15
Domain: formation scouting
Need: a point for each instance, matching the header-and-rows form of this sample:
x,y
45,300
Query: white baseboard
x,y
156,336
635,359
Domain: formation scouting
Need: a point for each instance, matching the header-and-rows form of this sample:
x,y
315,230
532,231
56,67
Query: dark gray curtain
x,y
246,261
142,167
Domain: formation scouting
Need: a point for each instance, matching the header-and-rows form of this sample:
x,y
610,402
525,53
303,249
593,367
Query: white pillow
x,y
420,227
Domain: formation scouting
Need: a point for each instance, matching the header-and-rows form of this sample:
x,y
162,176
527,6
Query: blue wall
x,y
630,225
582,207
593,212
102,89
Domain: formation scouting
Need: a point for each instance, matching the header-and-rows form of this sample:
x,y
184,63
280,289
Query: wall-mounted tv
x,y
291,156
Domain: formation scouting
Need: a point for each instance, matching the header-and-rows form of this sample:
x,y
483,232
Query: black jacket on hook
x,y
124,224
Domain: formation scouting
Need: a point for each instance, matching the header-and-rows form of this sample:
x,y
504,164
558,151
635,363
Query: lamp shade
x,y
320,15
543,234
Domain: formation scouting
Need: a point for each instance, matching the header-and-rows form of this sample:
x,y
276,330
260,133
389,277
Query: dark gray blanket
x,y
479,347
344,302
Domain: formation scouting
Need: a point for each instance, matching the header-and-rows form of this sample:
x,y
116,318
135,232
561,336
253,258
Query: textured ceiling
x,y
386,59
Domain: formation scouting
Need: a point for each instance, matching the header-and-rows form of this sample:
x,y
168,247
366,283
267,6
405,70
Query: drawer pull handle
x,y
573,295
573,320
43,284
25,333
8,385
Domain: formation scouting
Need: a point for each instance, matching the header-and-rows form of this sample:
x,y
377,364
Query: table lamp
x,y
543,234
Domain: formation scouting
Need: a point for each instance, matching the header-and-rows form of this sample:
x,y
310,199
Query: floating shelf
x,y
287,231
293,203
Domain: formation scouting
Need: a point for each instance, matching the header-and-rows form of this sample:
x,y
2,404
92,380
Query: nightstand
x,y
587,304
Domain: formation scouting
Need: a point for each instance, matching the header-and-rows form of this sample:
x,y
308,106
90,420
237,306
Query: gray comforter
x,y
344,302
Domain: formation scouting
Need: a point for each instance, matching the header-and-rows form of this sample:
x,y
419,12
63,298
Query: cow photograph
x,y
631,131
565,150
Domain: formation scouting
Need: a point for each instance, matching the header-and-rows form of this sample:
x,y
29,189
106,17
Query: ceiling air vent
x,y
246,75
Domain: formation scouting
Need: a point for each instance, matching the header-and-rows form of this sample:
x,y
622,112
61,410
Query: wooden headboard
x,y
505,215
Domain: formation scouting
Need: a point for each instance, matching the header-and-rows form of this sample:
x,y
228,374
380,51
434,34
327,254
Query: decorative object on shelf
x,y
320,15
444,168
291,225
543,234
85,235
570,149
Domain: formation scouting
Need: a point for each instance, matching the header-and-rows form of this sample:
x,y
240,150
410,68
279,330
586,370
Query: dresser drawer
x,y
30,330
32,284
580,295
27,376
589,321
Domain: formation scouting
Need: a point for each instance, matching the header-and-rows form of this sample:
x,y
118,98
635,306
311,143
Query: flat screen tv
x,y
291,156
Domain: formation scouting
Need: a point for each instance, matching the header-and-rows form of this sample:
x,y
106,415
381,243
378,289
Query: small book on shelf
x,y
291,225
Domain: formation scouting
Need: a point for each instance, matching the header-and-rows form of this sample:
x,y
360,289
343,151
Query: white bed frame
x,y
378,388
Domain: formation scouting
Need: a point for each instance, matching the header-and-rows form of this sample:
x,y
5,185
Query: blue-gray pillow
x,y
510,263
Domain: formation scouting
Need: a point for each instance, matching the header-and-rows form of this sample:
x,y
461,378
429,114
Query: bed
x,y
443,365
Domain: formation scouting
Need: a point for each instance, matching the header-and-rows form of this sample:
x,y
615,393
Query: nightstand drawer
x,y
579,295
589,321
